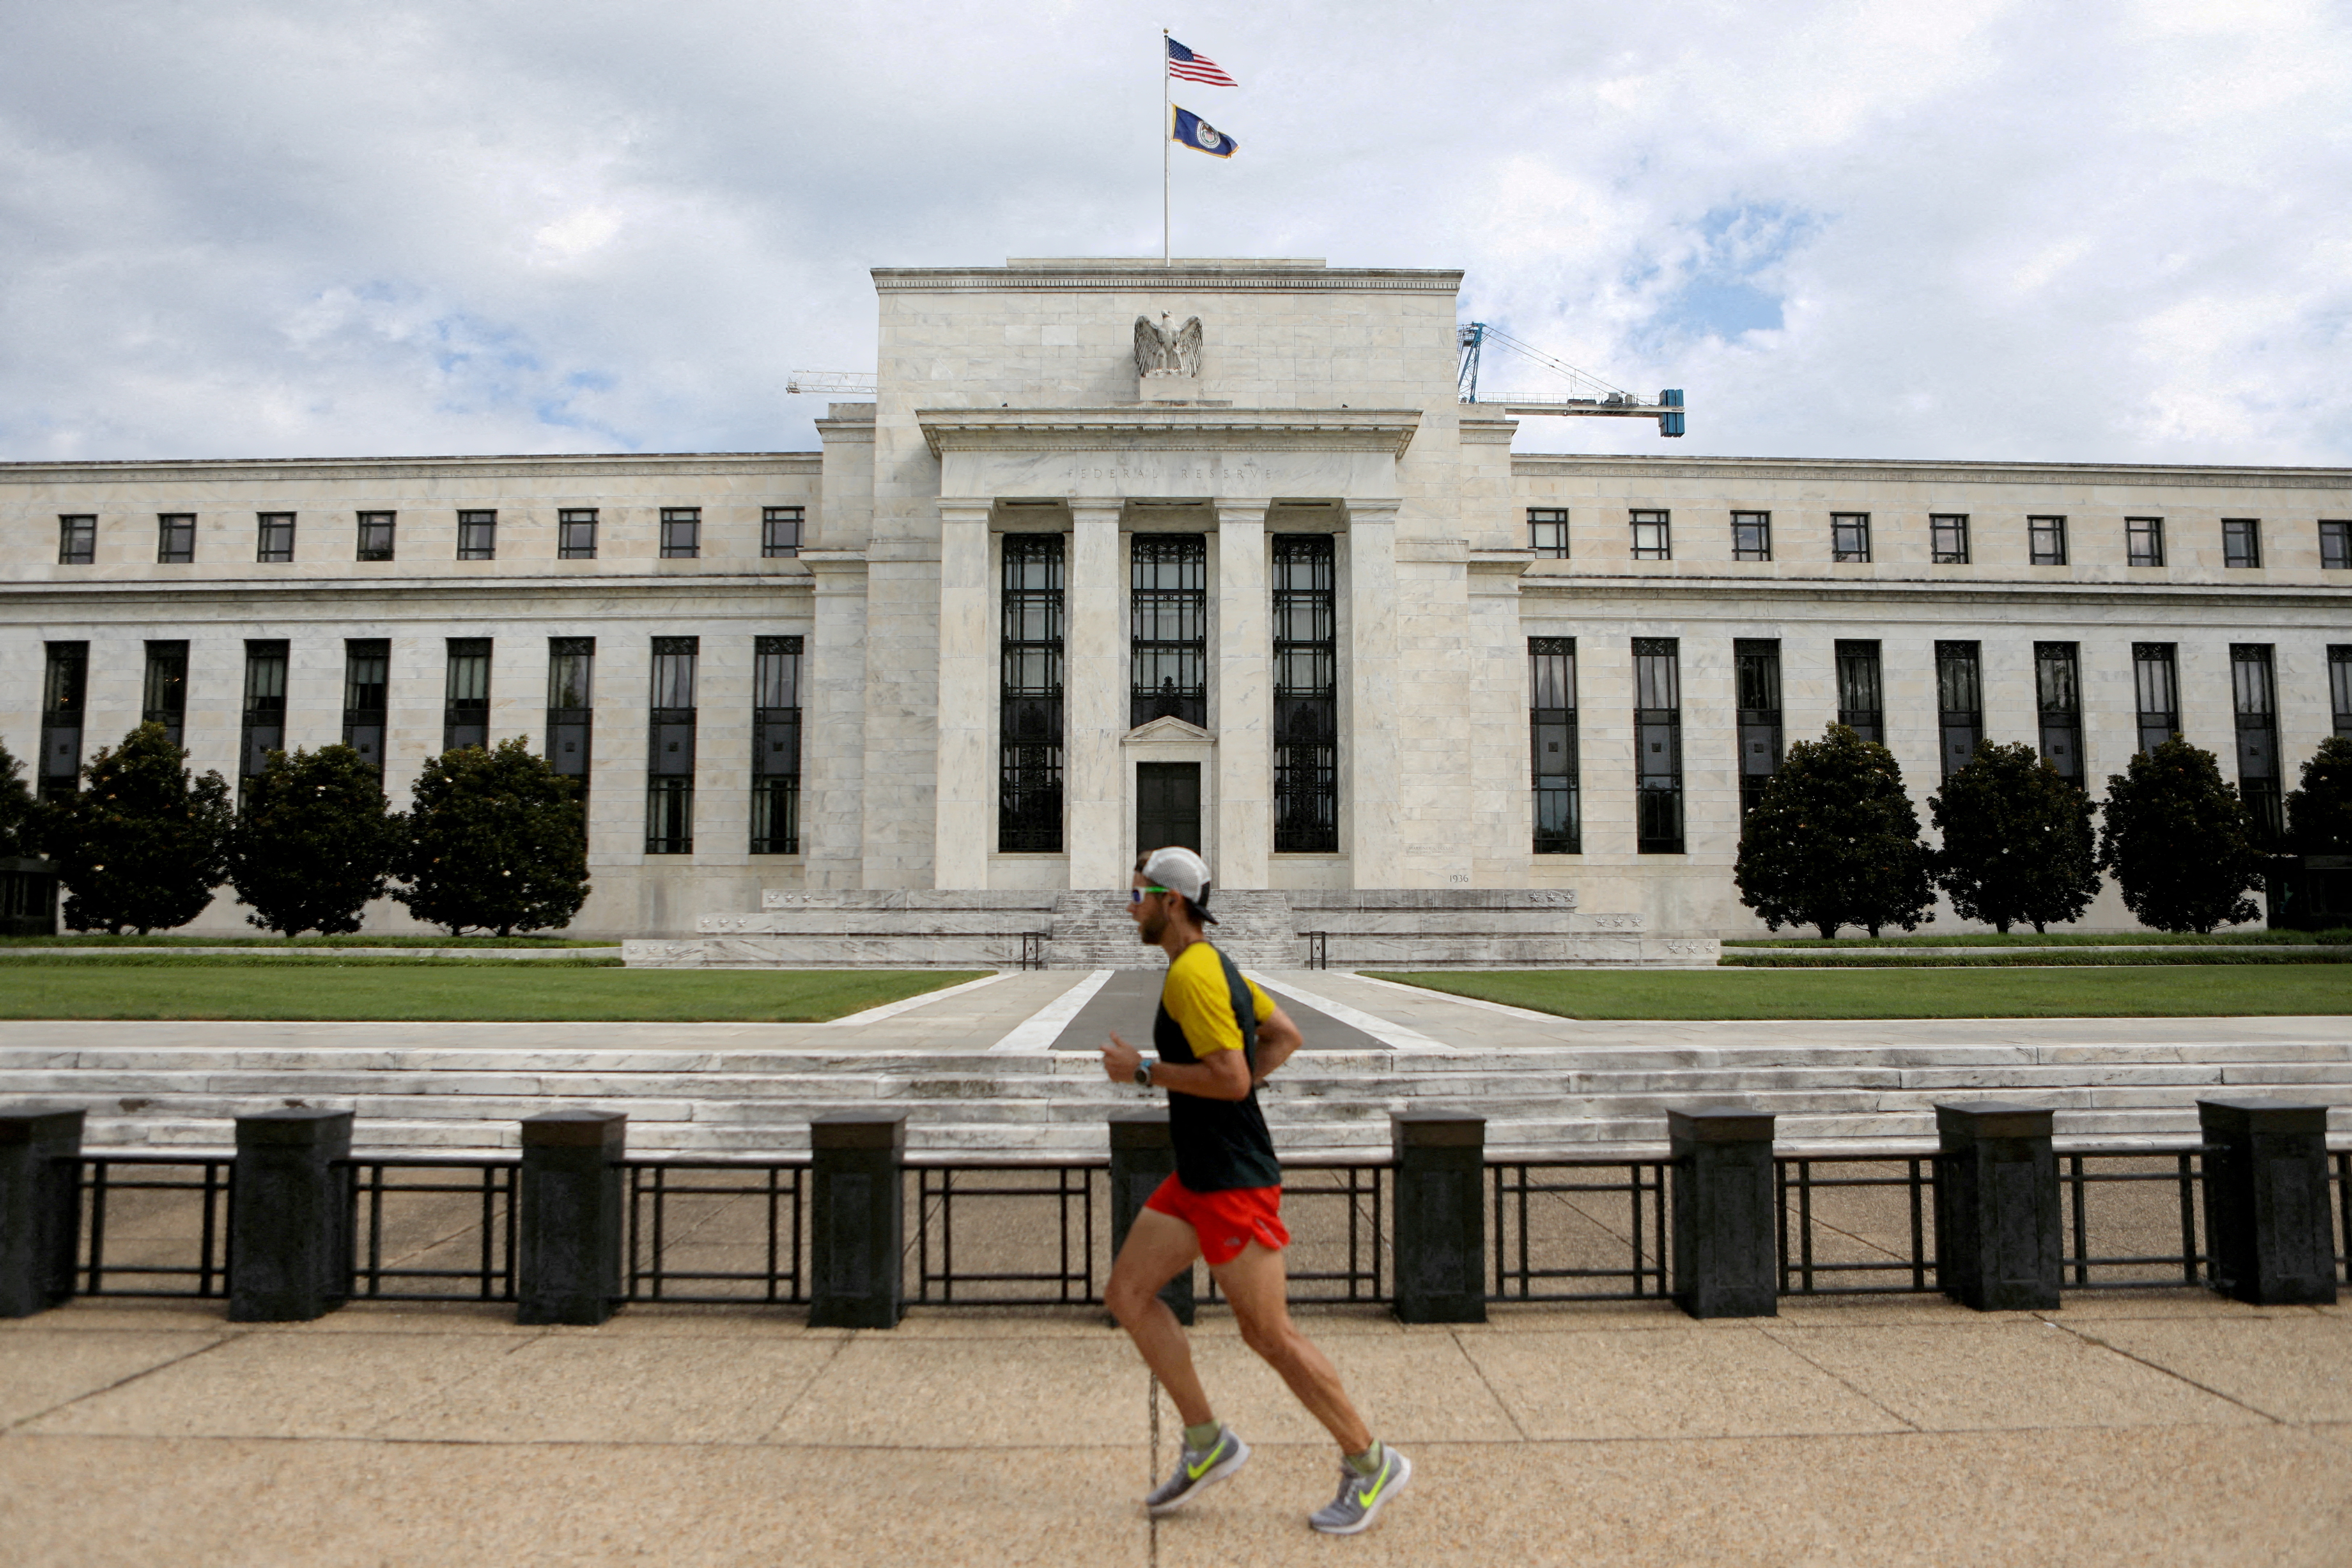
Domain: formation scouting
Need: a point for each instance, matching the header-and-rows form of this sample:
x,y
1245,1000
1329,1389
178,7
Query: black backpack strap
x,y
1244,1007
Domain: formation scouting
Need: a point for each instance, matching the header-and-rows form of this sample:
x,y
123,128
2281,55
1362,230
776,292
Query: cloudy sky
x,y
1966,228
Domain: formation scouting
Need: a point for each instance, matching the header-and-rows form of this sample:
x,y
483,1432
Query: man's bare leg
x,y
1258,1286
1159,1247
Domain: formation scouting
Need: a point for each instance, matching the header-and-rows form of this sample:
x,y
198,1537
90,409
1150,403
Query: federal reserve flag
x,y
1201,136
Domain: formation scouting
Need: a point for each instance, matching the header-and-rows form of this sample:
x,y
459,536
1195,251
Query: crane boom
x,y
1590,397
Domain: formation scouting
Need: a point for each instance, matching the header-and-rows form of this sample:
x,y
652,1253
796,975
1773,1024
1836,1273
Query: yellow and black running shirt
x,y
1206,1006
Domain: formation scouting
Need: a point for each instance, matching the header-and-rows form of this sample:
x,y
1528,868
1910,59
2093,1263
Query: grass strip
x,y
2079,957
2338,938
2177,992
101,939
401,991
134,958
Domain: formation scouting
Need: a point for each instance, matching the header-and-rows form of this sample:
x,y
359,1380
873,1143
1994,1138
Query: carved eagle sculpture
x,y
1159,349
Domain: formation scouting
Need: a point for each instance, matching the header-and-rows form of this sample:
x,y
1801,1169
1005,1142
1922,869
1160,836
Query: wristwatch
x,y
1143,1074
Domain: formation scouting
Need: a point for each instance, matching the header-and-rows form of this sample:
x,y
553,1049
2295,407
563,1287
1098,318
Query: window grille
x,y
1756,670
1654,536
2058,693
681,532
571,711
1658,745
375,535
367,697
2156,684
478,535
669,751
776,746
1850,537
1861,691
1548,531
780,529
1306,694
274,536
65,685
2143,540
77,541
2335,546
2241,542
1751,536
2045,539
1551,729
2339,685
1947,539
163,699
1959,702
175,538
465,696
1029,720
575,534
2254,695
265,708
1167,608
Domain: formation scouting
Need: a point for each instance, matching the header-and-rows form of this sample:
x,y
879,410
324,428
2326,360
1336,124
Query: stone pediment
x,y
1143,428
1165,730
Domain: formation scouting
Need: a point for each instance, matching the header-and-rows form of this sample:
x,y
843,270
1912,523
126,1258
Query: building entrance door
x,y
1167,805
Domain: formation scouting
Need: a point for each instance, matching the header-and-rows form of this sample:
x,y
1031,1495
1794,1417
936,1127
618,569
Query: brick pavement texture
x,y
2166,1426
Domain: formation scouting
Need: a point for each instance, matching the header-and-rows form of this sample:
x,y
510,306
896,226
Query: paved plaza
x,y
2131,1428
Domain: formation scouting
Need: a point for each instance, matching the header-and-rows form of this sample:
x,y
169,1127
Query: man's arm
x,y
1277,1037
1222,1075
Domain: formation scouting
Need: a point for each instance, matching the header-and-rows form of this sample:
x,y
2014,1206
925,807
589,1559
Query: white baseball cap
x,y
1180,871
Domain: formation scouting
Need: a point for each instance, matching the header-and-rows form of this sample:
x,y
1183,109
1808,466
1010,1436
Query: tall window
x,y
375,535
1861,691
465,696
2339,685
2058,692
1751,536
163,699
273,536
478,535
1551,727
1756,670
2256,699
77,541
2155,685
1654,536
65,685
1657,746
681,532
1306,694
367,697
780,529
1168,618
1948,538
265,709
1850,536
776,746
571,709
1548,531
1029,714
2045,540
2143,540
669,754
575,534
1959,702
2335,546
175,538
2241,542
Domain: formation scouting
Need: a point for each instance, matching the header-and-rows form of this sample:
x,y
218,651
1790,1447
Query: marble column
x,y
966,799
832,738
1244,803
1369,757
1094,700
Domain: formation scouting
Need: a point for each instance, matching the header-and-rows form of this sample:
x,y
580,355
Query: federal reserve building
x,y
1123,554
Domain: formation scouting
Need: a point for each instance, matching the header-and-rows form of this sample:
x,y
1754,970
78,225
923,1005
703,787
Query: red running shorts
x,y
1225,1222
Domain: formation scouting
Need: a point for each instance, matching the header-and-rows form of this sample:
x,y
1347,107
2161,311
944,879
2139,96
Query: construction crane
x,y
1590,397
831,381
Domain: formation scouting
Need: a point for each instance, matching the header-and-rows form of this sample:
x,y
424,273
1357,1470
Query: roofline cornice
x,y
622,464
1928,471
520,595
1652,590
1146,280
1143,426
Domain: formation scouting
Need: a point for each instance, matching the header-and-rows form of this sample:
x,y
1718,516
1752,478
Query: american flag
x,y
1186,66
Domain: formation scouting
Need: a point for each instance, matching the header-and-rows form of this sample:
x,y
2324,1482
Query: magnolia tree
x,y
1835,841
2180,841
144,842
2319,814
315,843
16,809
2018,844
495,843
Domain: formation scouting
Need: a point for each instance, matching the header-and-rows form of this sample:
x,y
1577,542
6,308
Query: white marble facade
x,y
1008,401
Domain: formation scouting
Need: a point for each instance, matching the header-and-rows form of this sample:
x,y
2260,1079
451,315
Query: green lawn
x,y
396,990
2012,958
2341,938
2173,992
268,943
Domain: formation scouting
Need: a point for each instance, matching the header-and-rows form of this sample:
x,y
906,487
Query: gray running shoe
x,y
1362,1498
1198,1470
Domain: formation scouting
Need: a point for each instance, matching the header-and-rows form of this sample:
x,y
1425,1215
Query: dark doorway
x,y
1167,805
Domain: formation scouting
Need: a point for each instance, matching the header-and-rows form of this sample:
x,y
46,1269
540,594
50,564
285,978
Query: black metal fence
x,y
425,1228
148,1218
1563,1227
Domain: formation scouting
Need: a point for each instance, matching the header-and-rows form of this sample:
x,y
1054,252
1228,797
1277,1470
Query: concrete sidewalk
x,y
2125,1428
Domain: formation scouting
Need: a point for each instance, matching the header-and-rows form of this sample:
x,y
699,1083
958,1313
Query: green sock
x,y
1198,1438
1368,1463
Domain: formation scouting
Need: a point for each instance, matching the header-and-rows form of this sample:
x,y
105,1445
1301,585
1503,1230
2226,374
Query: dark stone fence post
x,y
1998,1246
568,1245
1141,1157
856,1221
2267,1221
1726,1245
1441,1234
40,1207
289,1216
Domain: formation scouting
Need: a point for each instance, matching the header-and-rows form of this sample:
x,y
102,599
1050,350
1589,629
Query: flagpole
x,y
1164,139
